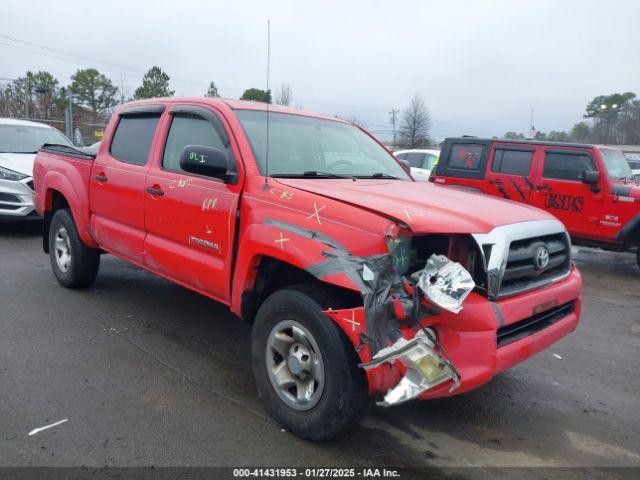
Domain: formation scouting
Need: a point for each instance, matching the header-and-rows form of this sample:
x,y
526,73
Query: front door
x,y
561,191
117,184
191,219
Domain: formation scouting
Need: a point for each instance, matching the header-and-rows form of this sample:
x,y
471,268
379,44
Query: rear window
x,y
512,162
132,140
465,156
567,166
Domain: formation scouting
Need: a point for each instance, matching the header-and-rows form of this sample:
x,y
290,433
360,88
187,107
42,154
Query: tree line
x,y
39,95
615,119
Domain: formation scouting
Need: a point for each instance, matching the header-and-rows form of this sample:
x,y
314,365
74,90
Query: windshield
x,y
300,145
616,164
28,139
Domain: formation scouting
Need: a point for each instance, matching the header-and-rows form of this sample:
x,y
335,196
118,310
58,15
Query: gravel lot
x,y
149,373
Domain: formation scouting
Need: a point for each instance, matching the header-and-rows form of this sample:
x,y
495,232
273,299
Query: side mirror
x,y
202,160
590,176
406,164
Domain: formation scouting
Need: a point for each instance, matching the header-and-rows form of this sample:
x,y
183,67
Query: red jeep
x,y
356,279
589,188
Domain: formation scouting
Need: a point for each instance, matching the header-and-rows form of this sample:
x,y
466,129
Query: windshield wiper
x,y
379,175
309,174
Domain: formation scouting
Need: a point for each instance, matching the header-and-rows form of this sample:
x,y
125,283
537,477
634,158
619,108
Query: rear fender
x,y
54,181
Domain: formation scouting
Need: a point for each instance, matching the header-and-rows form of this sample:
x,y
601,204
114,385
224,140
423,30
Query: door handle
x,y
101,177
546,188
155,191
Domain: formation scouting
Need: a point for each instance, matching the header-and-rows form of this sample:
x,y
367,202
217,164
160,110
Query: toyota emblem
x,y
541,259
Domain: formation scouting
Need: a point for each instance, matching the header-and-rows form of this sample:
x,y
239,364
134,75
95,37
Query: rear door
x,y
117,185
191,219
509,171
561,191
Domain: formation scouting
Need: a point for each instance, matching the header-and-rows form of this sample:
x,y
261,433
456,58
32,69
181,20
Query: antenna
x,y
266,157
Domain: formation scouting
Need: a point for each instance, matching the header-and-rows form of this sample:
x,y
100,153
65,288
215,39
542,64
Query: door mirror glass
x,y
202,160
590,176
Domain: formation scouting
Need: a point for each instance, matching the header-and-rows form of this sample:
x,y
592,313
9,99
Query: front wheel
x,y
74,264
638,254
306,369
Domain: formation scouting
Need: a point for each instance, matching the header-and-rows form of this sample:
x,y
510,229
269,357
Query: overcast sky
x,y
480,65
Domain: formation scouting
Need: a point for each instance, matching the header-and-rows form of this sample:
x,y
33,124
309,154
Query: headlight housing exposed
x,y
6,174
445,283
399,247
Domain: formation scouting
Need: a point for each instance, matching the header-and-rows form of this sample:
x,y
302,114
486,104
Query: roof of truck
x,y
235,104
528,142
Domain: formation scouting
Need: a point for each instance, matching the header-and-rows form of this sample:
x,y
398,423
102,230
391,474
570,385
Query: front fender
x,y
265,240
631,231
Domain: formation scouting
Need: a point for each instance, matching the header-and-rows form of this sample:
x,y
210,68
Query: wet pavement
x,y
149,373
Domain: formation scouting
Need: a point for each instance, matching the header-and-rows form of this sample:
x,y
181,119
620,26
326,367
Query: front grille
x,y
522,272
519,330
7,197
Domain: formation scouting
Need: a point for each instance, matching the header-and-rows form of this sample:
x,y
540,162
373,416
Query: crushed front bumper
x,y
16,200
481,341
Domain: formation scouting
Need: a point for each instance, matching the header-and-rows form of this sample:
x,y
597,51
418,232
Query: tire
x,y
340,400
74,264
638,254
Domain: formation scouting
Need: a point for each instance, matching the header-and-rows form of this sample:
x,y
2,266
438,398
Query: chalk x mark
x,y
352,321
316,213
281,240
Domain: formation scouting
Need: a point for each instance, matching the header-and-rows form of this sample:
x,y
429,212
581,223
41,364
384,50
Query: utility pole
x,y
28,98
69,116
531,124
393,114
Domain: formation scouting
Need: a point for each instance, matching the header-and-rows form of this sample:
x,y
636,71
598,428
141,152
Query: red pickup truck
x,y
357,281
590,188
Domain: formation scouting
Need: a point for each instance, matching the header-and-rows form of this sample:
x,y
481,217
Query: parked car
x,y
19,141
356,279
635,167
420,161
590,188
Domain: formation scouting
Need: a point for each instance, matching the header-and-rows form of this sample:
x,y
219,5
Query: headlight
x,y
445,283
6,174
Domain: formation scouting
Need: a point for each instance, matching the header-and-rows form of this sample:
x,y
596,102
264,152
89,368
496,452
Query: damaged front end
x,y
445,284
400,292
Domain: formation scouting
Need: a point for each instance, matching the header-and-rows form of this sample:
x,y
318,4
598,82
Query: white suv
x,y
19,142
421,162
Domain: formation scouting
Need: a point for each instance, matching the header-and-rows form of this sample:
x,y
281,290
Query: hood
x,y
424,207
18,162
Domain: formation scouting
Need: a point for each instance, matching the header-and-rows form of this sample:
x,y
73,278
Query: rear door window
x,y
133,137
567,165
415,159
512,162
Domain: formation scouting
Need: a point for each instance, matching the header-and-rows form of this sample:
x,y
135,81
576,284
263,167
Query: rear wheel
x,y
74,264
306,369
